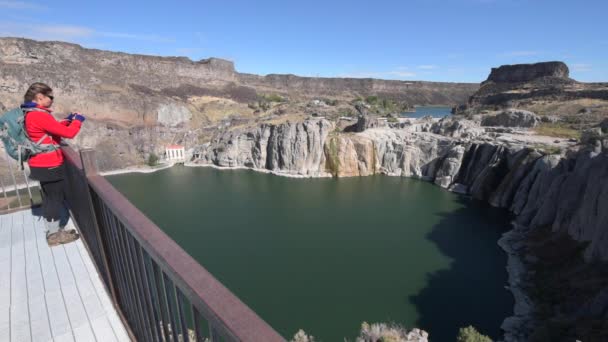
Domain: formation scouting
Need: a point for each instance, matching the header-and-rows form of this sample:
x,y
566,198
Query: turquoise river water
x,y
325,255
434,111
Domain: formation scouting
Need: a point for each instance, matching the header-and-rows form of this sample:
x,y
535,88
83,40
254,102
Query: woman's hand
x,y
79,117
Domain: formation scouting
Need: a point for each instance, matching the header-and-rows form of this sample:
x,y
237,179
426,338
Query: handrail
x,y
154,280
11,187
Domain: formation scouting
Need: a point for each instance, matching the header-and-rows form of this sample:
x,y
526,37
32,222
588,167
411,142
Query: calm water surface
x,y
434,111
325,255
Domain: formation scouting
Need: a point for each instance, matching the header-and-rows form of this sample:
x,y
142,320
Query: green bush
x,y
331,102
152,159
272,98
372,100
470,334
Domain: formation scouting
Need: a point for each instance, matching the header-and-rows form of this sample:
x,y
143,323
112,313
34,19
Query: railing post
x,y
89,167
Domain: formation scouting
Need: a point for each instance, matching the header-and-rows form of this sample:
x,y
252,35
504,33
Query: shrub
x,y
152,159
347,112
272,98
331,102
372,100
558,130
470,334
302,336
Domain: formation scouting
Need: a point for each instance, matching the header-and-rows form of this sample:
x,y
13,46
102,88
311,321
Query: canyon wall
x,y
132,90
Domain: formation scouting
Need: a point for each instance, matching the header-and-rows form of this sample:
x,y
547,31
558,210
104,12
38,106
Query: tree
x,y
152,159
470,334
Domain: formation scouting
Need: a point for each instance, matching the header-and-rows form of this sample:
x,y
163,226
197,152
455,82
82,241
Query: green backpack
x,y
16,141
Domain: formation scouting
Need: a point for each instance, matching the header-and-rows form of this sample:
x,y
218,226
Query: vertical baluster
x,y
157,274
196,318
10,167
8,203
137,291
213,335
123,299
181,313
144,291
27,185
136,310
169,303
115,258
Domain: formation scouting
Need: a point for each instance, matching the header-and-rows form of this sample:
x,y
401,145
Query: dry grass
x,y
558,130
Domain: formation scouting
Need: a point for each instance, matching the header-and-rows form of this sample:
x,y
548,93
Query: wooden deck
x,y
50,294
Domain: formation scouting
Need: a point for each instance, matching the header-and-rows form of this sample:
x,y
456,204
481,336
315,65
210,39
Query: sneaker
x,y
61,237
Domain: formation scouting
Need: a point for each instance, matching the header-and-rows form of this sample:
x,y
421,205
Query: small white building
x,y
175,153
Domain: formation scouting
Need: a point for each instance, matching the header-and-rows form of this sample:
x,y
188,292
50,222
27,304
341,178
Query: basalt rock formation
x,y
528,72
544,88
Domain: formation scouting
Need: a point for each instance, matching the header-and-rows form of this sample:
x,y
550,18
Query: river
x,y
324,255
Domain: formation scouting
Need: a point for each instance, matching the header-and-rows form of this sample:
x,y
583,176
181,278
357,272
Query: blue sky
x,y
434,40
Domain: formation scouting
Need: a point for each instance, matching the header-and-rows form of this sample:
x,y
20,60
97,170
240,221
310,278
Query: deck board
x,y
50,294
5,275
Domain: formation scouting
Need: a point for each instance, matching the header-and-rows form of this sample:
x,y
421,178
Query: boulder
x,y
452,127
549,118
603,124
591,135
512,118
369,121
528,72
2,108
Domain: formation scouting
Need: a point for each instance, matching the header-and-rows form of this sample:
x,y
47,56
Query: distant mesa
x,y
544,88
528,72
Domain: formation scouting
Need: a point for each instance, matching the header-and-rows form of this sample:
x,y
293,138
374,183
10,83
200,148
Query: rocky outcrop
x,y
544,88
367,121
453,127
291,148
604,126
528,72
511,118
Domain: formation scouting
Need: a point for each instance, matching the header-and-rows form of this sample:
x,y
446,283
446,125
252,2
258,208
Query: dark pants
x,y
52,182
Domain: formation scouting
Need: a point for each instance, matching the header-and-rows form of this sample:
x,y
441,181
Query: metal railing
x,y
18,191
161,291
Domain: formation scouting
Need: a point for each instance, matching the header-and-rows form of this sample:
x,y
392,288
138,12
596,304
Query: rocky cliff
x,y
528,72
544,88
137,89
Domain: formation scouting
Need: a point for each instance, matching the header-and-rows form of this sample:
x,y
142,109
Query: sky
x,y
432,40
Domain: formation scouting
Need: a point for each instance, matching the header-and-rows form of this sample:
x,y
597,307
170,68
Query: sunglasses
x,y
50,97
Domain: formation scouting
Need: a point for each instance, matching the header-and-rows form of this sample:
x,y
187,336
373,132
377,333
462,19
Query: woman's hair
x,y
36,88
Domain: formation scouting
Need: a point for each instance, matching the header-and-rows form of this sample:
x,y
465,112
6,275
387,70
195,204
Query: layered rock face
x,y
528,72
544,88
512,118
138,90
294,149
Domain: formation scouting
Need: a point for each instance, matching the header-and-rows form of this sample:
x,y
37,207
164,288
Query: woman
x,y
48,167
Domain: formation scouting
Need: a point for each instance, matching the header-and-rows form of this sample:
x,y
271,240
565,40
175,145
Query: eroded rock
x,y
512,118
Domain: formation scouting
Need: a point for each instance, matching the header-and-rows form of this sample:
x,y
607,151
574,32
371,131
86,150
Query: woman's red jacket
x,y
41,122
